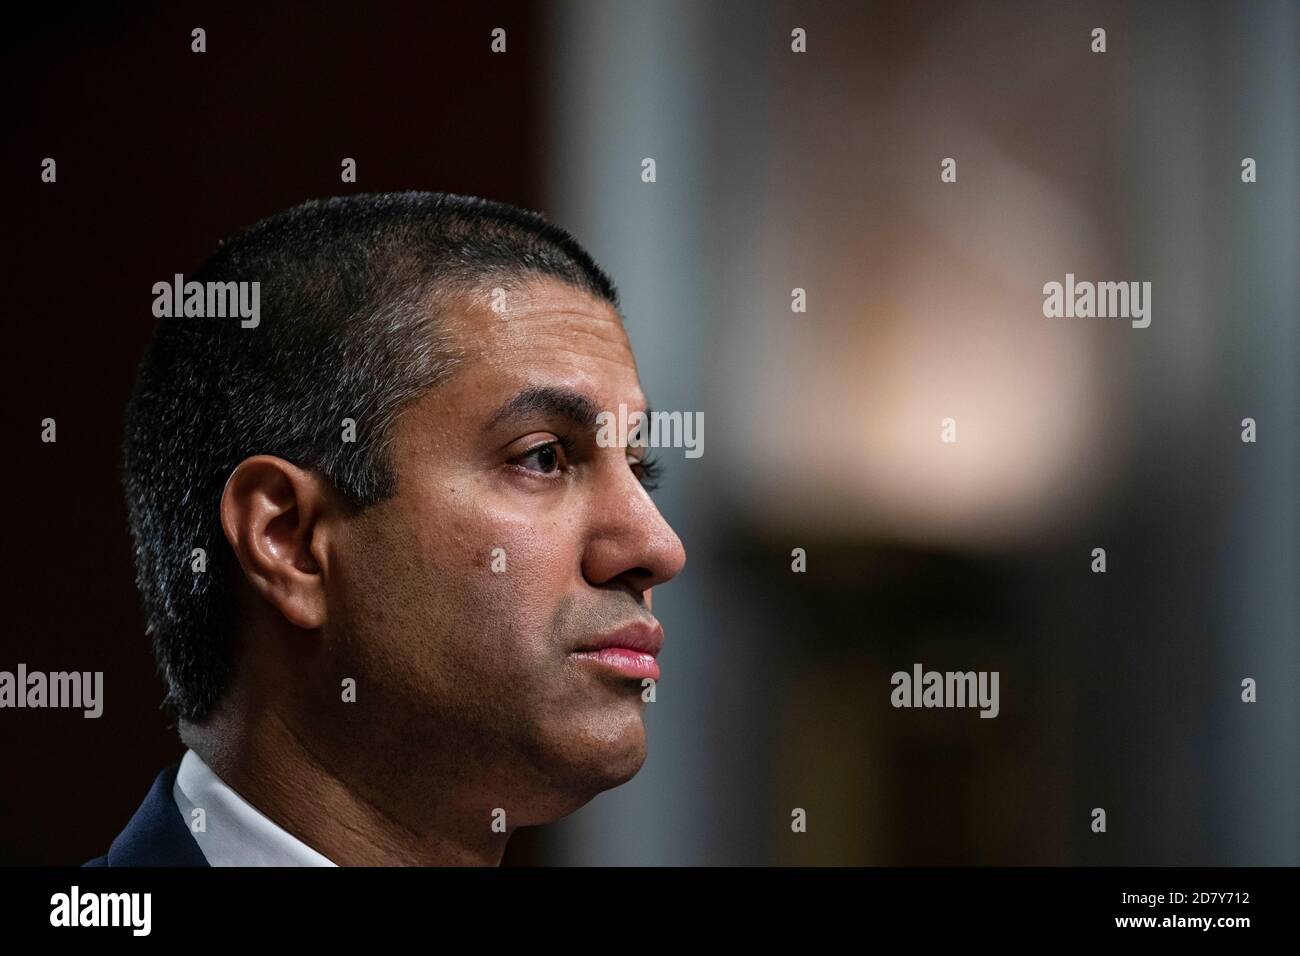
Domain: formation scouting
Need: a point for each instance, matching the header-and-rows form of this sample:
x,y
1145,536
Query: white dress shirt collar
x,y
236,833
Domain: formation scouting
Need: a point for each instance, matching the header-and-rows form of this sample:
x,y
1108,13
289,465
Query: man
x,y
398,591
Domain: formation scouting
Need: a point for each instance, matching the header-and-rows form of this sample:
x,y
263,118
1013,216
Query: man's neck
x,y
280,773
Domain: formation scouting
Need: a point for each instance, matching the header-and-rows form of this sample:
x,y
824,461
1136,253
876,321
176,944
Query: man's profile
x,y
399,594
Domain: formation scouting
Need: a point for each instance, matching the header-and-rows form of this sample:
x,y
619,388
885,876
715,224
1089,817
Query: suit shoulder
x,y
157,834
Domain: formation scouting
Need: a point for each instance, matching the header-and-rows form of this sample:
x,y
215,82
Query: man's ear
x,y
271,512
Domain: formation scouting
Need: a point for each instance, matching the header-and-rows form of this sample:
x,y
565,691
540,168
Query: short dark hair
x,y
351,294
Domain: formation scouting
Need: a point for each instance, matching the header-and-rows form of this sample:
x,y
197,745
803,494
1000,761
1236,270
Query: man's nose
x,y
630,539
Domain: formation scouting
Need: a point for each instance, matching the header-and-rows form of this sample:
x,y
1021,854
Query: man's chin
x,y
613,750
599,753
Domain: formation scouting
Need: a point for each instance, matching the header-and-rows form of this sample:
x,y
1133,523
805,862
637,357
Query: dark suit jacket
x,y
157,835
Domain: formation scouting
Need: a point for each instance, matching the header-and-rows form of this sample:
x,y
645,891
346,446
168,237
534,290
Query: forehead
x,y
545,332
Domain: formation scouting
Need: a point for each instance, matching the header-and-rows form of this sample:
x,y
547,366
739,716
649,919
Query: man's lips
x,y
630,649
647,637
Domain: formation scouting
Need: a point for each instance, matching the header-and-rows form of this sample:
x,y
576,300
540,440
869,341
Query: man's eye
x,y
547,457
647,470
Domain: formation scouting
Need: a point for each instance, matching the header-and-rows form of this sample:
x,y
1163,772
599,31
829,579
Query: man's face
x,y
513,540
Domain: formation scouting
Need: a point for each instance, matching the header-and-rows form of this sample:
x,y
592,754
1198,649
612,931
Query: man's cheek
x,y
515,551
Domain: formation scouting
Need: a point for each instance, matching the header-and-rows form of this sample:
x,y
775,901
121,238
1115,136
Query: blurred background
x,y
775,171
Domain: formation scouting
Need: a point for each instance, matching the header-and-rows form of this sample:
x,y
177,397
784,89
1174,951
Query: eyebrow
x,y
549,402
